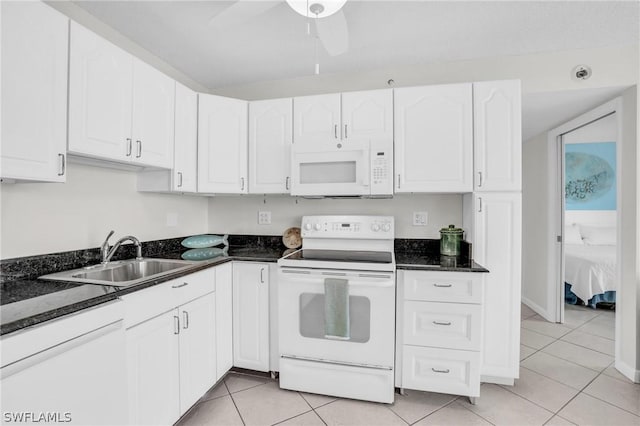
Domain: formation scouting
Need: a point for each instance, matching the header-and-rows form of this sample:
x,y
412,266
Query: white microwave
x,y
341,169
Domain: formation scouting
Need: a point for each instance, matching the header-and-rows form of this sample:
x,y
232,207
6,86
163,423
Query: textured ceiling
x,y
269,41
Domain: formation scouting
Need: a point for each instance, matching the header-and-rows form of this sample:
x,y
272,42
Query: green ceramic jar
x,y
450,239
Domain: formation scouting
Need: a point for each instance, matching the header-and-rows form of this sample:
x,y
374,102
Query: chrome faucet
x,y
107,254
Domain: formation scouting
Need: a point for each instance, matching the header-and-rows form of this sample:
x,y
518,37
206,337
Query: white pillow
x,y
572,234
598,235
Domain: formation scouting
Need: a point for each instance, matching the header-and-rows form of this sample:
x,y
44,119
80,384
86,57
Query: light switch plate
x,y
420,218
264,218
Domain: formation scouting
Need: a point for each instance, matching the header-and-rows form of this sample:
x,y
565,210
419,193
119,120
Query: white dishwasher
x,y
69,370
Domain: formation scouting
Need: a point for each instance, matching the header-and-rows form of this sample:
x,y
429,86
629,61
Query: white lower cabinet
x,y
171,348
251,315
439,331
224,319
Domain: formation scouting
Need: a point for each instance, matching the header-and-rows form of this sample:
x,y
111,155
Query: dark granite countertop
x,y
27,300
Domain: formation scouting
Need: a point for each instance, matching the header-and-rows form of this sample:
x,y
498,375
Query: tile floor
x,y
566,377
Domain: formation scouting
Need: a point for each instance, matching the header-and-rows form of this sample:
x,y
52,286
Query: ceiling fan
x,y
332,32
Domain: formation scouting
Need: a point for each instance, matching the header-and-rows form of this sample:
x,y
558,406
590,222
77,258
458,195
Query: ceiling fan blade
x,y
240,12
333,33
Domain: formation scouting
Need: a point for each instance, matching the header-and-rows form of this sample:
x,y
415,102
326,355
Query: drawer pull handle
x,y
179,285
442,322
437,370
442,285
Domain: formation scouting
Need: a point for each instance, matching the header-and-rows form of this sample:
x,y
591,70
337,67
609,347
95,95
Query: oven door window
x,y
317,319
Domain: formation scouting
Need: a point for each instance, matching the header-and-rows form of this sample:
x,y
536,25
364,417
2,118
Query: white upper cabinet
x,y
120,109
34,92
348,116
222,145
367,115
498,136
153,116
434,138
185,160
270,139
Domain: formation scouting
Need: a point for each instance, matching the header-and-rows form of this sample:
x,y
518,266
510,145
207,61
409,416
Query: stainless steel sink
x,y
121,273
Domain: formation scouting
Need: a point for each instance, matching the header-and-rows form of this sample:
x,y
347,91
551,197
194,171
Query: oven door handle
x,y
371,280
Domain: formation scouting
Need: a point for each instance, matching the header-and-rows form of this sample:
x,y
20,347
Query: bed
x,y
590,265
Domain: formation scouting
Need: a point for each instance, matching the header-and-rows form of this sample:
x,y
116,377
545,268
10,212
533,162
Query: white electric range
x,y
337,309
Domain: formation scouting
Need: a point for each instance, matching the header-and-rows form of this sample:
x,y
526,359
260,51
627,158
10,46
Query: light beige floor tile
x,y
575,316
542,326
587,410
240,382
526,312
579,355
219,411
306,419
543,391
591,341
502,407
558,421
599,327
453,414
526,351
616,392
558,369
533,339
216,392
316,400
416,405
268,404
356,413
612,372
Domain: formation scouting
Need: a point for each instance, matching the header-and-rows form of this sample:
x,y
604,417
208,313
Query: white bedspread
x,y
590,269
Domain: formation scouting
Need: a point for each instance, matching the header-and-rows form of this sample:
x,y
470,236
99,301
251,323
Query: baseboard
x,y
508,381
628,371
539,310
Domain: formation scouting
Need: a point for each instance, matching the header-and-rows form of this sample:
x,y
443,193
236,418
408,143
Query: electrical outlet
x,y
420,218
264,218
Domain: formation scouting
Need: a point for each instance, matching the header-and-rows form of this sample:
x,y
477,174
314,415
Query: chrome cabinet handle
x,y
129,147
179,285
398,180
185,315
335,131
179,179
480,205
442,322
437,370
287,182
241,184
261,276
63,165
442,285
479,179
345,131
139,154
176,324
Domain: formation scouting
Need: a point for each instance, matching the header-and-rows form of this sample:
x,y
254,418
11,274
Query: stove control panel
x,y
364,227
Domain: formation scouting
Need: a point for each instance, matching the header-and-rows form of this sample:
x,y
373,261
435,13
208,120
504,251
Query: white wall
x,y
239,214
39,218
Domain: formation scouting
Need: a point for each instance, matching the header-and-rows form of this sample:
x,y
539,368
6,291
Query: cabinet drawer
x,y
443,325
150,302
458,287
441,370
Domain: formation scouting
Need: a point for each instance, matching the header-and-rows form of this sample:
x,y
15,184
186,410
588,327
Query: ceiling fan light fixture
x,y
316,8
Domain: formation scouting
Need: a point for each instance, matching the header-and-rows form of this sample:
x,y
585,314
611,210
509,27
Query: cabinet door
x,y
153,116
185,160
270,138
367,115
152,360
316,119
34,92
224,319
497,246
197,349
100,82
498,135
222,145
251,316
434,139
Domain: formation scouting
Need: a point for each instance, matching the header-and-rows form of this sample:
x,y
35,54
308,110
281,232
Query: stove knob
x,y
386,227
375,227
307,226
317,227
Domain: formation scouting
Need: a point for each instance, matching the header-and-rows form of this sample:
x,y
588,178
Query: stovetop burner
x,y
362,256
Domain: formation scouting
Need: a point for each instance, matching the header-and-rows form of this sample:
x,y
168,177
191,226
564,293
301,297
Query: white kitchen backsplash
x,y
239,214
